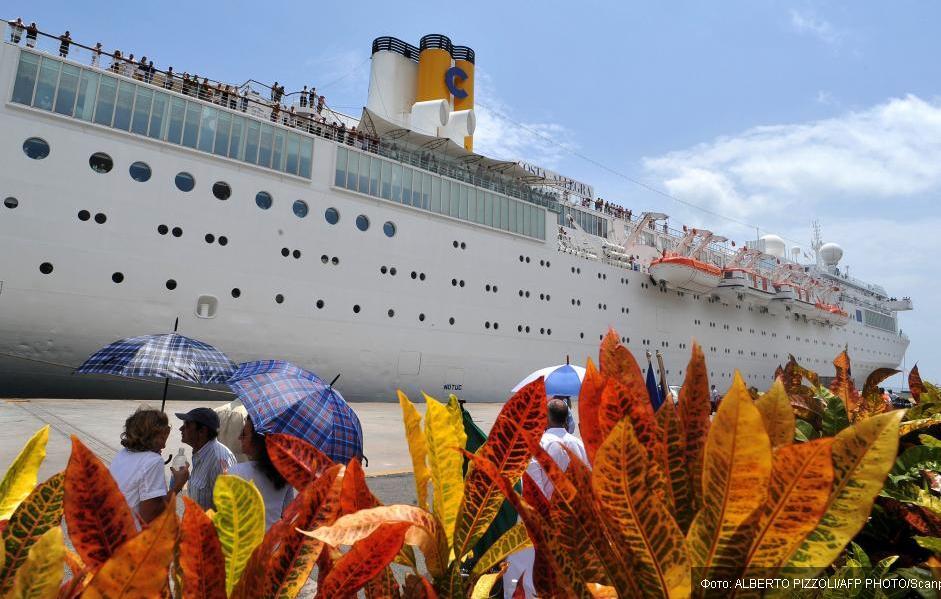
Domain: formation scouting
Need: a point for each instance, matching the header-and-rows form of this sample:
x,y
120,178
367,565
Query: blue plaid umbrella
x,y
161,356
284,398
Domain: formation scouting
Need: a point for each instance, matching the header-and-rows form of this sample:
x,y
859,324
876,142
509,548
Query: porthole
x,y
463,246
162,229
383,269
101,218
279,298
36,148
221,190
486,324
296,254
548,331
236,292
496,326
451,320
356,309
300,208
177,232
581,335
421,318
185,182
263,200
101,162
210,238
389,229
454,243
140,172
285,252
84,215
414,275
11,203
45,268
325,259
391,312
117,277
223,240
421,276
171,284
334,260
461,283
331,215
527,328
319,304
392,271
519,328
362,222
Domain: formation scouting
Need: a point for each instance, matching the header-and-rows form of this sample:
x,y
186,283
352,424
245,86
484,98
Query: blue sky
x,y
771,113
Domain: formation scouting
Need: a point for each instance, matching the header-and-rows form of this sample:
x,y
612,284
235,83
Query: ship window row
x,y
389,180
590,223
880,321
89,95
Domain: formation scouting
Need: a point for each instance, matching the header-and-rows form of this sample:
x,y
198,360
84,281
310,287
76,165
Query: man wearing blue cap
x,y
210,457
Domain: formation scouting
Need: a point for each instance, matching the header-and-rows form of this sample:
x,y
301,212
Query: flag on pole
x,y
655,397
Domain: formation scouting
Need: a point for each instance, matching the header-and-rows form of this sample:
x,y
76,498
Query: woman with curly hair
x,y
260,470
138,468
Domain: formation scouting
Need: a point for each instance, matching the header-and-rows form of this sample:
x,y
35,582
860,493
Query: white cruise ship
x,y
392,254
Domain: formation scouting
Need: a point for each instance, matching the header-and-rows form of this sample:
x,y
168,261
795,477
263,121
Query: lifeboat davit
x,y
831,314
683,272
795,298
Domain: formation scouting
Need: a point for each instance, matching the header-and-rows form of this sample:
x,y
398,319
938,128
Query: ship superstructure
x,y
390,253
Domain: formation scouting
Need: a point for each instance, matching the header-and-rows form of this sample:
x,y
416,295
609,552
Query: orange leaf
x,y
694,408
842,385
914,383
589,402
96,512
356,495
875,377
417,587
364,561
736,472
801,481
520,591
383,586
298,461
678,484
803,399
627,397
642,522
522,419
283,561
201,559
141,566
616,361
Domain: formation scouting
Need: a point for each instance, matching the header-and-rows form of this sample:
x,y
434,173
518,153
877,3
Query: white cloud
x,y
499,135
890,151
826,98
806,23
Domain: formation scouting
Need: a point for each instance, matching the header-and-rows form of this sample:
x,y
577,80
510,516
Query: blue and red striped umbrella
x,y
283,398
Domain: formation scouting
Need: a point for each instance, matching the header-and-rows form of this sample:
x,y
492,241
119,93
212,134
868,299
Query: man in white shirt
x,y
210,457
554,440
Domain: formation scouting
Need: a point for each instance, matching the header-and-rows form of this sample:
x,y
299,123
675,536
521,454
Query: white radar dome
x,y
831,253
774,246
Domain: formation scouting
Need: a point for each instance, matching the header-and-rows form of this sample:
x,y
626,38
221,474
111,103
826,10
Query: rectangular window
x,y
406,185
191,125
488,209
374,165
177,112
504,213
25,78
465,200
122,108
455,206
511,225
221,145
540,224
396,183
386,180
472,205
277,151
307,157
340,179
264,145
251,143
207,128
235,143
87,92
527,219
436,193
416,188
46,86
158,116
294,145
104,108
68,86
142,102
520,207
426,191
352,171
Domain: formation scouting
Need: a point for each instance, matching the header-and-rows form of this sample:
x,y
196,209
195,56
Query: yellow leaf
x,y
777,414
41,574
140,567
445,436
485,584
736,472
801,480
509,542
417,447
641,520
23,473
863,454
240,522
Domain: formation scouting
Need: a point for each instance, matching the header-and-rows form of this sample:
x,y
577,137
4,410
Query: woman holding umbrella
x,y
275,491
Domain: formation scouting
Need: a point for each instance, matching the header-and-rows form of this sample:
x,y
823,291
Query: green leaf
x,y
239,521
804,431
23,474
930,543
835,418
929,441
912,461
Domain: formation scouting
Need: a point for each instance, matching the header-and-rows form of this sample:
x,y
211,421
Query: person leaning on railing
x,y
16,30
32,32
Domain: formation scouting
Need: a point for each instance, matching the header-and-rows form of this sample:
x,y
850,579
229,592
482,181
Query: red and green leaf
x,y
589,404
914,383
694,408
39,512
200,554
298,461
355,494
364,561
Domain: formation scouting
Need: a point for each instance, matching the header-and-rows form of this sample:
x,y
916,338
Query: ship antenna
x,y
817,241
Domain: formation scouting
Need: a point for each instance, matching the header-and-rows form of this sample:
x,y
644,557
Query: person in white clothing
x,y
138,468
553,441
231,421
276,492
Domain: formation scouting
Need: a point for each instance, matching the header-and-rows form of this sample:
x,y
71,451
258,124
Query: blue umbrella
x,y
167,356
563,380
652,391
283,398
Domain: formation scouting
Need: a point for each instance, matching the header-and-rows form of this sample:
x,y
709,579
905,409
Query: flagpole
x,y
663,378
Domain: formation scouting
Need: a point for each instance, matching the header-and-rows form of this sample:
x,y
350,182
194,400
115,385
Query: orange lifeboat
x,y
683,272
